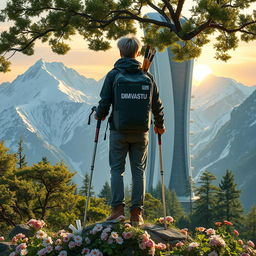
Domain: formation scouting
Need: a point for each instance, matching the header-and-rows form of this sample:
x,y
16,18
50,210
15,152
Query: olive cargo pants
x,y
136,145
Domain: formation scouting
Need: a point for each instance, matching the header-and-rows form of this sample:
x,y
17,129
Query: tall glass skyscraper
x,y
174,81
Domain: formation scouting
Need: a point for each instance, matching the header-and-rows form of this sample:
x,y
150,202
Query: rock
x,y
160,235
157,233
5,248
21,228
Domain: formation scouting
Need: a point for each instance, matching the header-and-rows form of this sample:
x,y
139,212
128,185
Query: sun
x,y
201,71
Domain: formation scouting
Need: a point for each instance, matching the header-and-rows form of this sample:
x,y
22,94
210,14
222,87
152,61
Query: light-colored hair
x,y
128,46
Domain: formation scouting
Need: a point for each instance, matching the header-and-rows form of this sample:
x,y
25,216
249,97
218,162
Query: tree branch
x,y
179,8
160,11
175,19
240,29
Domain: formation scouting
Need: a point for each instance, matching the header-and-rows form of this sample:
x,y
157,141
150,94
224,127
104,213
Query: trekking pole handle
x,y
93,109
159,139
97,131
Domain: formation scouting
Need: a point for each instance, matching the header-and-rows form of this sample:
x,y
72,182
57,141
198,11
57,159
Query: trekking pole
x,y
93,161
162,176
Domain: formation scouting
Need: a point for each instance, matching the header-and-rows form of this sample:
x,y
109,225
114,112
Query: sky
x,y
240,67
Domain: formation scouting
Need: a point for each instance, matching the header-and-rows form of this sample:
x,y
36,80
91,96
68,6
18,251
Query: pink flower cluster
x,y
168,219
93,252
216,240
148,244
193,245
36,224
2,238
19,238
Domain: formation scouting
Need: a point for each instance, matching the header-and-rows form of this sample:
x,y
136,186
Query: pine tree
x,y
229,204
84,189
44,160
21,156
249,225
157,191
204,207
106,193
173,206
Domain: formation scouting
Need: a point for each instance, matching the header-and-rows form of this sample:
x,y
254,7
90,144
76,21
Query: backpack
x,y
132,101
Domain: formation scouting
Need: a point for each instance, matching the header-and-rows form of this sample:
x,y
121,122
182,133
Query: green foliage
x,y
84,189
204,207
98,22
229,205
106,193
152,208
173,206
249,225
21,156
7,161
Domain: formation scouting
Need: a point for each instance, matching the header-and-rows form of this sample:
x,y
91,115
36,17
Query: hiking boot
x,y
136,217
116,212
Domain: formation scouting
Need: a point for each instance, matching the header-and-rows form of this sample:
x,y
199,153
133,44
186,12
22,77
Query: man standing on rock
x,y
133,95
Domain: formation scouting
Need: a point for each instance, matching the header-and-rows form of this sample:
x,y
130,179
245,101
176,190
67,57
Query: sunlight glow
x,y
201,71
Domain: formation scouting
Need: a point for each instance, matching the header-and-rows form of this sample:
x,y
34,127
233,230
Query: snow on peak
x,y
49,82
214,89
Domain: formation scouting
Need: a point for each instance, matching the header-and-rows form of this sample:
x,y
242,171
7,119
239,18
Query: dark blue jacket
x,y
107,93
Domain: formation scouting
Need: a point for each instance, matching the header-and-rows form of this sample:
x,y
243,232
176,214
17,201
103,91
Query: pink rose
x,y
179,244
2,238
150,243
169,219
240,241
161,246
210,231
228,223
127,235
236,232
251,243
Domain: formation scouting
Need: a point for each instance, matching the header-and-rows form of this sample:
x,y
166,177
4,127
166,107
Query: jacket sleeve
x,y
106,96
157,106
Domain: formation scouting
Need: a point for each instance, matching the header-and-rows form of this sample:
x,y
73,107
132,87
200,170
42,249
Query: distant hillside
x,y
234,148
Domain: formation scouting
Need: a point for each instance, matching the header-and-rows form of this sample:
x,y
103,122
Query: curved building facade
x,y
174,81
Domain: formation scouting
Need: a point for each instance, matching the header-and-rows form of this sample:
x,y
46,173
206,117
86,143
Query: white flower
x,y
95,252
47,241
49,248
41,234
106,230
71,244
63,253
114,235
58,248
78,239
41,252
104,236
119,240
98,227
12,254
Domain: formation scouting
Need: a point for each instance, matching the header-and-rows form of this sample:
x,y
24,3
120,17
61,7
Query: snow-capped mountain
x,y
49,106
212,102
234,148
